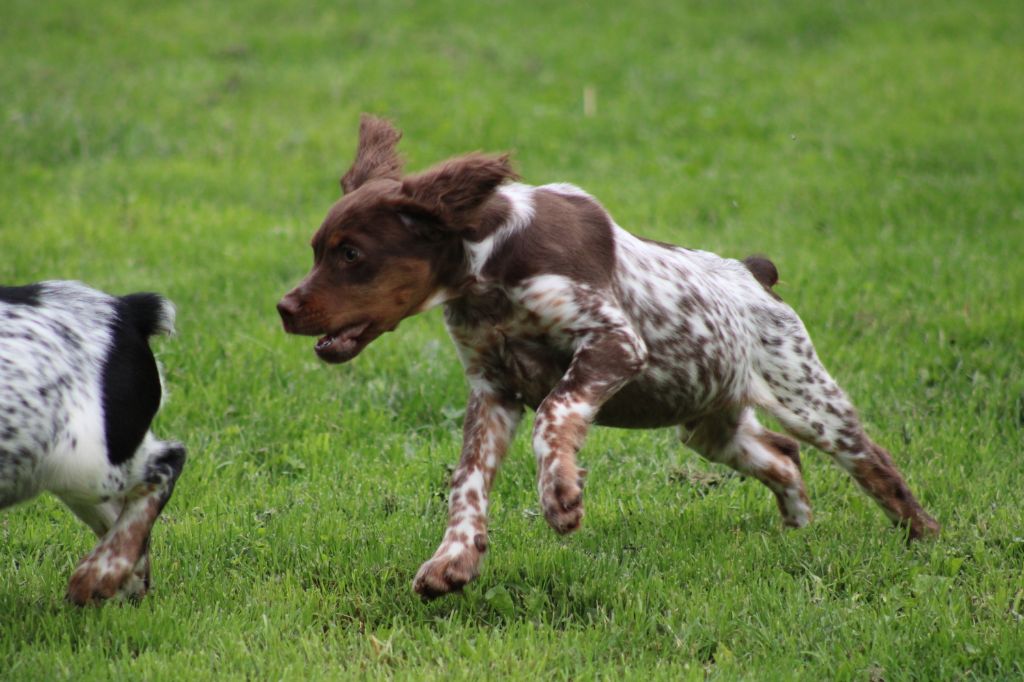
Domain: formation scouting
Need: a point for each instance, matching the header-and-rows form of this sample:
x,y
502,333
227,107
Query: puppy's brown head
x,y
389,245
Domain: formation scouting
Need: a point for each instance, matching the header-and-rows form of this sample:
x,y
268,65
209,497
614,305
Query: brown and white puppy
x,y
553,306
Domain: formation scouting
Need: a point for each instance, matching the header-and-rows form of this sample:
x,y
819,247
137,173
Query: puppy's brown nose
x,y
288,307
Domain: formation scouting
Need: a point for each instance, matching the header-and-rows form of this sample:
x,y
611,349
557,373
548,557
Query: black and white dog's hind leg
x,y
79,387
119,565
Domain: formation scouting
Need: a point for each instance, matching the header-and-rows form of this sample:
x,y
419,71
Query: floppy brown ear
x,y
451,190
376,156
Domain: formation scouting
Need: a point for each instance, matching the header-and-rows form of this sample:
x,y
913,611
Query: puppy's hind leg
x,y
119,564
810,405
737,439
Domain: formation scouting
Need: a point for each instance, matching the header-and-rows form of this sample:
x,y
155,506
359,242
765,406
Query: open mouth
x,y
343,344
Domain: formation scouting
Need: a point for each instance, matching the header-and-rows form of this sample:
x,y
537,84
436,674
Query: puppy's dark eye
x,y
349,254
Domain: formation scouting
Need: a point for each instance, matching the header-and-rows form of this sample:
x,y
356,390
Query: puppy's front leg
x,y
604,361
490,423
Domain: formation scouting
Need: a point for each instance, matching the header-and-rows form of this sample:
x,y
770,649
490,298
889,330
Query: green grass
x,y
874,150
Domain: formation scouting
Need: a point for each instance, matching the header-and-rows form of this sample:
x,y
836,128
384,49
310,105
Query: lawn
x,y
874,150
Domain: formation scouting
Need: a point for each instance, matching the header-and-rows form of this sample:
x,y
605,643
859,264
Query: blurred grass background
x,y
873,150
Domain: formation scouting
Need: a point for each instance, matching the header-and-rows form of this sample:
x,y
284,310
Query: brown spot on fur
x,y
444,574
878,476
458,478
782,444
561,225
93,579
561,496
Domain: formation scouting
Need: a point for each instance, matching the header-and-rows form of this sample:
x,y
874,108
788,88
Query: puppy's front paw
x,y
452,566
562,500
136,585
98,577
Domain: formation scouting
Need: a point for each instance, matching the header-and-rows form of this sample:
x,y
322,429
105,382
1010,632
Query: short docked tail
x,y
764,271
148,313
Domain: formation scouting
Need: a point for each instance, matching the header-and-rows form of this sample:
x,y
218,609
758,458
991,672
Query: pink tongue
x,y
344,343
344,339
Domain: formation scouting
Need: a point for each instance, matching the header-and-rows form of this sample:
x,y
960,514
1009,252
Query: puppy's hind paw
x,y
562,501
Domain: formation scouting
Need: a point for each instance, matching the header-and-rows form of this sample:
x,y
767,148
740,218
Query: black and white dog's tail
x,y
148,314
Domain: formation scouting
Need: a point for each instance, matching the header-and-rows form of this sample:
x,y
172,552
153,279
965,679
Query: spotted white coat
x,y
674,336
78,389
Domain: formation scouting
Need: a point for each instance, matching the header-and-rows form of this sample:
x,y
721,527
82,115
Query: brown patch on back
x,y
569,235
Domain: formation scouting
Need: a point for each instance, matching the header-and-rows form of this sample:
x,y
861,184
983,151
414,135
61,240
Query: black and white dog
x,y
79,387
